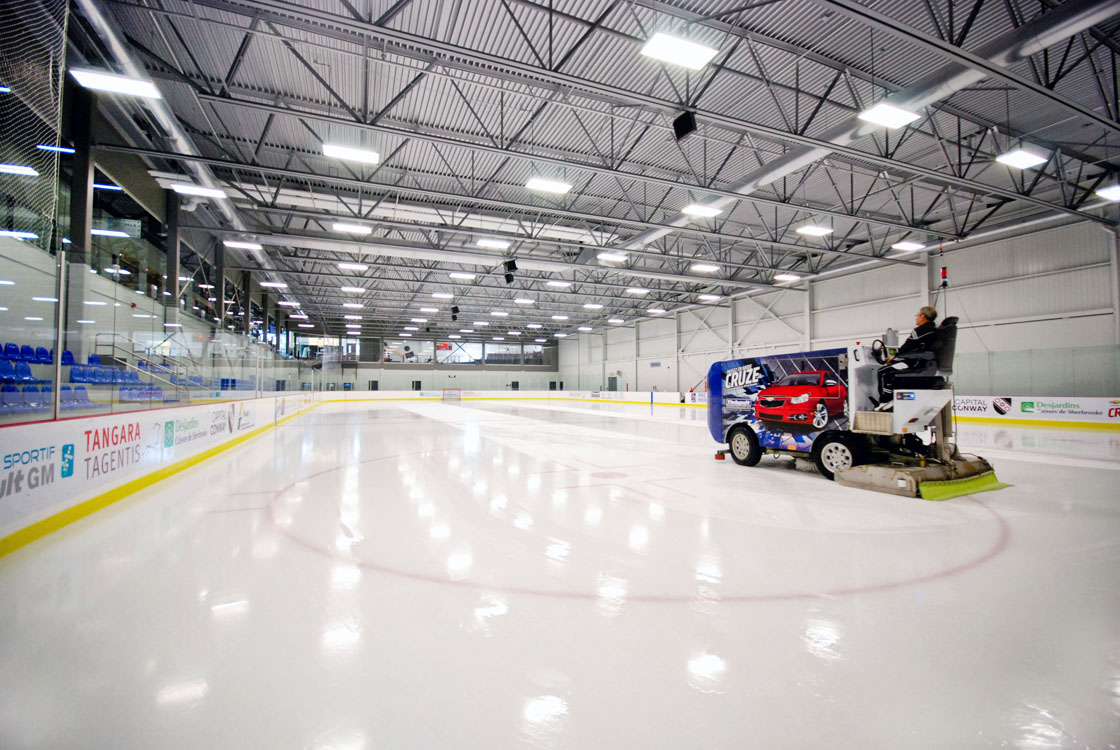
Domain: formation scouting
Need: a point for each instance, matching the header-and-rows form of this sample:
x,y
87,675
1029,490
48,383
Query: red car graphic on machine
x,y
808,398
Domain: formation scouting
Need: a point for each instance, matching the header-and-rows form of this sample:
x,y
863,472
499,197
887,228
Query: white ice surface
x,y
529,575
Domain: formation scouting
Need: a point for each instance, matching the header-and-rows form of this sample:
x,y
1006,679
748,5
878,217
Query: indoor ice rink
x,y
559,374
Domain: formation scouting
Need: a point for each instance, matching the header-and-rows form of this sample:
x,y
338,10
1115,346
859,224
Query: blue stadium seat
x,y
11,351
81,397
42,356
27,353
67,357
12,400
93,359
7,372
66,398
23,373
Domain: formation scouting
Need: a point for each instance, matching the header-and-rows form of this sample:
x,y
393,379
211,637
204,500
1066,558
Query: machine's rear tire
x,y
744,446
834,451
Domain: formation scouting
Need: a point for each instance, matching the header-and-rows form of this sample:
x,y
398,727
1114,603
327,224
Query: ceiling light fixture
x,y
655,311
352,289
559,317
585,329
814,230
710,297
558,284
1110,192
908,246
18,169
97,80
499,313
298,316
705,268
347,153
239,245
592,306
612,257
496,244
287,303
108,233
442,295
786,277
198,191
888,115
525,301
339,226
274,284
351,317
697,209
678,51
353,266
544,185
462,275
1022,158
353,305
637,291
534,325
616,321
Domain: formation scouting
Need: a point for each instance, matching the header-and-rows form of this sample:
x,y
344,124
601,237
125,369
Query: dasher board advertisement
x,y
787,399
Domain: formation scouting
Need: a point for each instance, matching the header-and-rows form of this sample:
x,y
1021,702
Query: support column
x,y
808,312
220,283
246,302
676,351
80,112
1114,264
171,268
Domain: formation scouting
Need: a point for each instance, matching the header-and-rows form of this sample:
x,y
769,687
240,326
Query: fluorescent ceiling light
x,y
353,333
1022,158
655,311
352,289
287,303
187,279
108,233
559,317
87,322
442,295
114,84
339,226
548,186
351,317
540,341
908,246
466,330
429,309
18,235
637,290
7,90
585,328
298,316
710,297
105,186
499,313
44,299
499,338
198,190
561,335
786,277
612,257
534,325
704,268
94,303
406,335
525,301
419,320
172,325
814,230
513,333
353,266
351,154
558,284
496,244
454,336
353,325
888,115
238,245
274,284
32,318
673,49
18,169
696,209
353,305
1110,192
205,286
480,323
616,320
461,275
55,149
306,325
592,306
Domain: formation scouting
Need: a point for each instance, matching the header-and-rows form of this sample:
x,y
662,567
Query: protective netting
x,y
32,48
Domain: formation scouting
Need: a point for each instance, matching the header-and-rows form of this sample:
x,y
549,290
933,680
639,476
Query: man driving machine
x,y
907,358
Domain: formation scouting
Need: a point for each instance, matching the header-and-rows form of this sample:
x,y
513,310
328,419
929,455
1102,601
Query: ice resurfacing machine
x,y
822,404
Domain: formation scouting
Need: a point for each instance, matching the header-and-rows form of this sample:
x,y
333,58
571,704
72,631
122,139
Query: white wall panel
x,y
868,286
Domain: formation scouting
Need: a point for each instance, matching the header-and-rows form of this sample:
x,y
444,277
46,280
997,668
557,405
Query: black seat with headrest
x,y
945,347
930,369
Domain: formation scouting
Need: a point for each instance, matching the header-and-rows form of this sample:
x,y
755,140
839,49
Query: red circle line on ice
x,y
997,547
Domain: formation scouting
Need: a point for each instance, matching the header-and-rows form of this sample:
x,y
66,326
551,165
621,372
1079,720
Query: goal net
x,y
453,395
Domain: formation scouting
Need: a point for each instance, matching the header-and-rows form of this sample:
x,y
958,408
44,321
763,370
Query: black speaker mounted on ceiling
x,y
454,312
684,125
511,266
509,278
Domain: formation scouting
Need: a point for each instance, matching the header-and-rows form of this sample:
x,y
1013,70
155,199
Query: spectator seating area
x,y
26,382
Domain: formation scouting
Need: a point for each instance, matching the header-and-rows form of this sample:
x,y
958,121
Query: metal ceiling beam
x,y
733,240
1071,18
319,22
993,69
583,166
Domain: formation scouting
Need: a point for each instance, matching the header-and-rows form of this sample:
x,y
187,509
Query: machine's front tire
x,y
744,446
835,451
